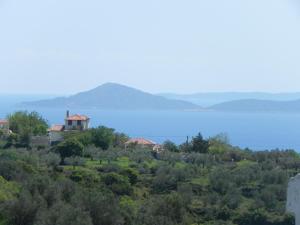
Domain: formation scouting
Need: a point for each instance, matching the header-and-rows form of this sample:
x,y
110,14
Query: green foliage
x,y
129,210
131,174
2,134
102,206
63,214
217,186
262,217
219,144
170,146
86,177
120,139
199,144
102,137
22,211
169,209
117,183
51,159
167,178
84,137
69,148
8,190
26,124
75,161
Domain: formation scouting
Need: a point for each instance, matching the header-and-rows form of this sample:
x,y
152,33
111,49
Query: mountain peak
x,y
112,84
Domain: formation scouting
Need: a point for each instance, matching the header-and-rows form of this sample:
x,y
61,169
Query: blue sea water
x,y
258,131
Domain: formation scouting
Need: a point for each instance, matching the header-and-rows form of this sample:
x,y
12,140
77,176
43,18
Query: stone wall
x,y
293,198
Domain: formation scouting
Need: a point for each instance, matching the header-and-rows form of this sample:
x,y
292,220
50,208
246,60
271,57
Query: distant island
x,y
208,99
115,96
244,101
254,105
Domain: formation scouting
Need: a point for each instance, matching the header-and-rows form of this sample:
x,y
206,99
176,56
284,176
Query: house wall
x,y
37,141
4,126
74,126
55,136
142,146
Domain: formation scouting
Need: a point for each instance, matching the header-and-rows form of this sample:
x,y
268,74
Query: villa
x,y
72,123
76,122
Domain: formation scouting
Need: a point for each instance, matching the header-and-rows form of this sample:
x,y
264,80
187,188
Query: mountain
x,y
213,98
115,96
254,105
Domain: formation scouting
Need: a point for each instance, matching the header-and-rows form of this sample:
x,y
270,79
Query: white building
x,y
76,122
72,123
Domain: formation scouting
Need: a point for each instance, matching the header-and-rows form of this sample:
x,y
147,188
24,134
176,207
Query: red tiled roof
x,y
78,117
140,141
57,128
3,122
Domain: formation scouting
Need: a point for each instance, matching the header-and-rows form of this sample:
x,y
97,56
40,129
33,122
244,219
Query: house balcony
x,y
75,127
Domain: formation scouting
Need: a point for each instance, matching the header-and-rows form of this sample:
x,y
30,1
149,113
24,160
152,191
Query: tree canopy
x,y
25,125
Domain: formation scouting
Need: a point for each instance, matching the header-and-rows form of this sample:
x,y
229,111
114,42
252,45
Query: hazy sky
x,y
184,46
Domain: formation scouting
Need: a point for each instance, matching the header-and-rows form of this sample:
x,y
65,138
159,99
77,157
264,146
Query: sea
x,y
257,131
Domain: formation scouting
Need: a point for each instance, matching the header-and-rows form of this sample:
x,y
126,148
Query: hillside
x,y
115,96
253,105
94,181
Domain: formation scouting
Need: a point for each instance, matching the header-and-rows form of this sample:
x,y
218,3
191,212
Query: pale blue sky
x,y
184,46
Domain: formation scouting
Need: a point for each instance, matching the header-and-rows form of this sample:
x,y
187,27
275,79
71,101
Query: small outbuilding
x,y
143,143
4,127
4,124
56,134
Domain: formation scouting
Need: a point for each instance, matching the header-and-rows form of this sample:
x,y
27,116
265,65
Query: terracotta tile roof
x,y
140,141
57,128
3,122
78,117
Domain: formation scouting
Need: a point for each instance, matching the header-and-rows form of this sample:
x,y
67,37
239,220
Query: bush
x,y
119,184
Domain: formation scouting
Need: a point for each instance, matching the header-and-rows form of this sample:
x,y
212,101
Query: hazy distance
x,y
62,47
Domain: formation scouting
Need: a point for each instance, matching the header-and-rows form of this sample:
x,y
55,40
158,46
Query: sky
x,y
182,46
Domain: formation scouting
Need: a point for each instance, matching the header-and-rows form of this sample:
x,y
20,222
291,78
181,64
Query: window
x,y
78,122
70,122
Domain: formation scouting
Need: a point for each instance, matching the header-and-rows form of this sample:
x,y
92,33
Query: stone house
x,y
76,122
72,123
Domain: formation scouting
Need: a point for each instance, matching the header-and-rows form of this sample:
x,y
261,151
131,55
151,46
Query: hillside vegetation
x,y
89,179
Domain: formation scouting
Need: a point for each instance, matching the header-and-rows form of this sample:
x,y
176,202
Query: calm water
x,y
254,130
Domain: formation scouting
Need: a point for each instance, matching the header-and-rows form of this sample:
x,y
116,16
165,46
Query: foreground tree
x,y
32,122
199,144
170,146
69,148
102,137
25,125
